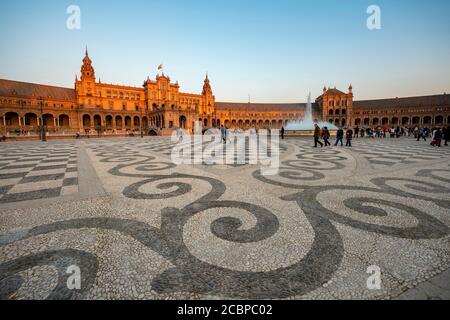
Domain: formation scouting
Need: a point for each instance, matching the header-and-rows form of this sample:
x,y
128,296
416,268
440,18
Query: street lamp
x,y
142,118
43,135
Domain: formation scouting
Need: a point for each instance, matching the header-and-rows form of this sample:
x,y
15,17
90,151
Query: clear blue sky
x,y
275,50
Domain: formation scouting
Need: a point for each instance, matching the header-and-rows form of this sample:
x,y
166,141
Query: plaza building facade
x,y
159,106
96,107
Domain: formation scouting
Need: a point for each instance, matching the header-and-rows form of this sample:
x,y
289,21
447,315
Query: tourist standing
x,y
282,133
349,137
356,131
326,136
339,137
317,136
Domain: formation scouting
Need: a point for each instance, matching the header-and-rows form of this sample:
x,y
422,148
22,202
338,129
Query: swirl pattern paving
x,y
159,230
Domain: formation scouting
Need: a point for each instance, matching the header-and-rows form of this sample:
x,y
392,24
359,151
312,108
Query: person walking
x,y
349,137
282,133
357,132
446,135
339,137
433,134
421,134
227,134
317,136
223,133
438,137
179,134
326,136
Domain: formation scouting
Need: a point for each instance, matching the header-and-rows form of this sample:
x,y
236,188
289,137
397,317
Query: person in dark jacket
x,y
437,138
421,134
223,133
326,136
339,137
446,135
282,132
317,136
349,137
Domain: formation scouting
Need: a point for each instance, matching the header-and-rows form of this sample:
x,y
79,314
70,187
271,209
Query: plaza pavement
x,y
140,227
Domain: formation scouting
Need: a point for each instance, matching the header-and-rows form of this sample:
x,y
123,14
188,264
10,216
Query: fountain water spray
x,y
307,124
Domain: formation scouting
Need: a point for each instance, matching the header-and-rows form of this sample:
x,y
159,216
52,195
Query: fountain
x,y
305,126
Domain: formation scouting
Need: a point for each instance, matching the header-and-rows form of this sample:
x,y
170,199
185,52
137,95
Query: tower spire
x,y
206,86
87,70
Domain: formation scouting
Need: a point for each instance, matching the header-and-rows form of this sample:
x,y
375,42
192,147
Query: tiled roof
x,y
331,92
224,106
426,101
23,89
334,92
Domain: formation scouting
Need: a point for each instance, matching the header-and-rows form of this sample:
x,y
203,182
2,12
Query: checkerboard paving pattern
x,y
161,146
29,172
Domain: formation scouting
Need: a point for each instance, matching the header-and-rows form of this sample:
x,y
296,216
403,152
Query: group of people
x,y
381,132
320,134
324,133
436,134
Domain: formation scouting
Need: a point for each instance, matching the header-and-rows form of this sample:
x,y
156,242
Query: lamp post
x,y
43,135
142,118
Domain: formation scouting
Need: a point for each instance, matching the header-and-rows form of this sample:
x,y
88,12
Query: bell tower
x,y
207,87
87,70
85,87
208,97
